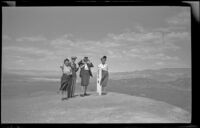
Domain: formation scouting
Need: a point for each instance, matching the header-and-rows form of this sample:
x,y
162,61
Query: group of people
x,y
68,79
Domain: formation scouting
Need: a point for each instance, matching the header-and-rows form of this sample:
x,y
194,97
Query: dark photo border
x,y
194,41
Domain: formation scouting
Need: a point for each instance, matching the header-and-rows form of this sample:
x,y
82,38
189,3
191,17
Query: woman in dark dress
x,y
74,70
66,79
85,73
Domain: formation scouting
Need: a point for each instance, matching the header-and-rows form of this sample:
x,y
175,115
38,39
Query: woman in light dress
x,y
66,79
103,71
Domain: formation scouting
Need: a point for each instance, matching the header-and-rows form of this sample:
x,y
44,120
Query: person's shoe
x,y
104,93
82,95
65,98
86,94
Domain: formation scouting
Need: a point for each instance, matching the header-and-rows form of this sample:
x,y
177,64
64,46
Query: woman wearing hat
x,y
103,71
74,70
85,73
66,79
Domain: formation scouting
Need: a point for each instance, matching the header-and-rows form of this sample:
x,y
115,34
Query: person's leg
x,y
85,89
87,83
68,91
82,85
62,93
71,89
74,86
100,90
104,90
66,95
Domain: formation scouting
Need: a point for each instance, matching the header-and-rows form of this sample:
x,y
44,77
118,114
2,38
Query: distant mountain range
x,y
165,74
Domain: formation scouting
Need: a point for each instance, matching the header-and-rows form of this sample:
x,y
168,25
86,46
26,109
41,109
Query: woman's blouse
x,y
67,70
103,67
86,67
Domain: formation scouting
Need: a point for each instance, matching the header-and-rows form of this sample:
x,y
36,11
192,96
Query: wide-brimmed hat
x,y
85,58
73,57
66,60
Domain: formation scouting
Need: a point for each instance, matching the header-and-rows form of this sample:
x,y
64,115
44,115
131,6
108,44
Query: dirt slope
x,y
110,108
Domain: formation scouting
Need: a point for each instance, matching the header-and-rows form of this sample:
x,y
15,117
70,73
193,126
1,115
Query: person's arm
x,y
61,67
82,66
90,64
76,68
70,71
107,67
80,63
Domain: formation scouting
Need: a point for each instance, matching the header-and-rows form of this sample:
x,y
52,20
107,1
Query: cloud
x,y
182,18
146,45
6,37
178,35
141,45
171,64
160,63
114,54
135,36
62,42
24,56
144,41
30,50
149,56
31,39
65,41
65,45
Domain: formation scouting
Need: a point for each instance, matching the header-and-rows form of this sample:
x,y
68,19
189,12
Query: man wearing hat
x,y
85,73
74,70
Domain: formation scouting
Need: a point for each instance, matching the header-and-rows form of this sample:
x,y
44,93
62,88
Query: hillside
x,y
164,74
172,86
110,108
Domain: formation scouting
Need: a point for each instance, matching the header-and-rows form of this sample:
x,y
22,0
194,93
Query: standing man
x,y
74,70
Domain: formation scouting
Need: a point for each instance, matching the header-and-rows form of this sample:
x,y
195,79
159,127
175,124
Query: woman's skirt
x,y
66,81
73,85
85,78
104,79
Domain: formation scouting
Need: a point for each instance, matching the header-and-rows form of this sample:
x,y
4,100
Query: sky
x,y
132,38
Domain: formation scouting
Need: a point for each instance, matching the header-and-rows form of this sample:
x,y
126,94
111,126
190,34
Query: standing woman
x,y
66,79
85,73
74,70
103,68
